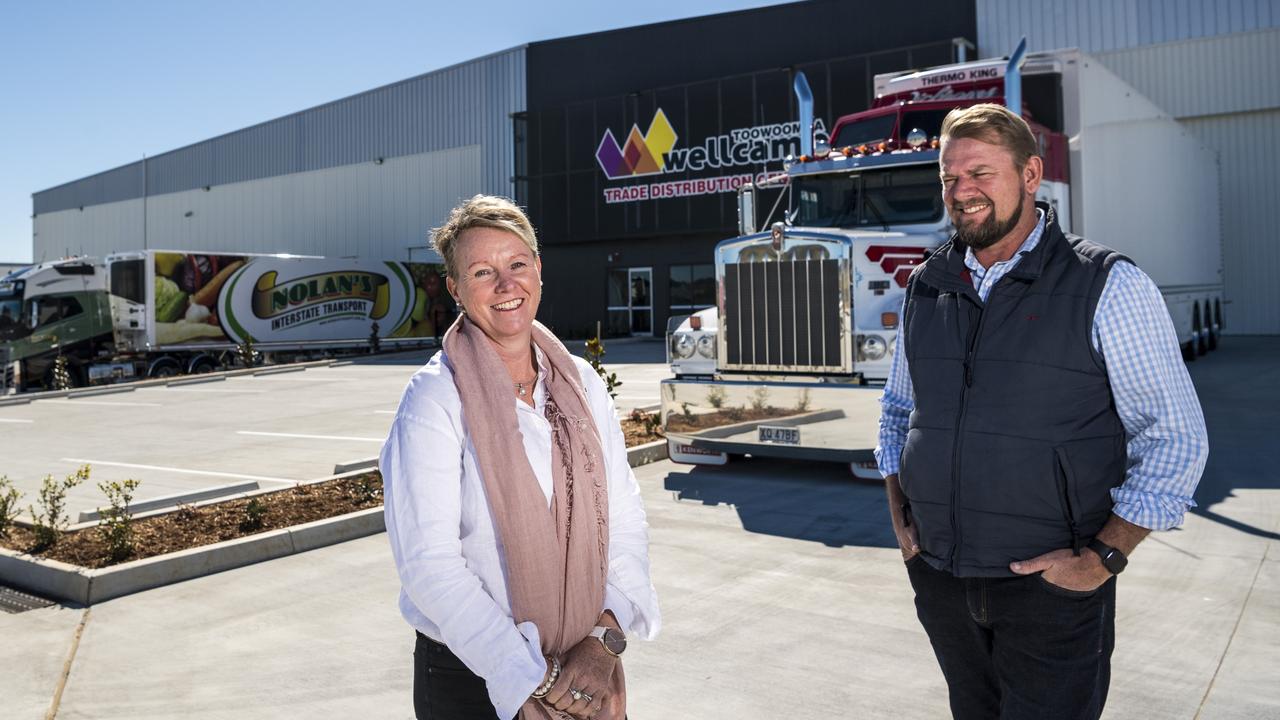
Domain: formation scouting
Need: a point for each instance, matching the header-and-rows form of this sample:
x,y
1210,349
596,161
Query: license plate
x,y
779,435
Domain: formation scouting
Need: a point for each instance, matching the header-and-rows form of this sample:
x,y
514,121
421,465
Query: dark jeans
x,y
443,688
1017,647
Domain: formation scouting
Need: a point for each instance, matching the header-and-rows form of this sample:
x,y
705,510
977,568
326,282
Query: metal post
x,y
1013,78
144,201
805,97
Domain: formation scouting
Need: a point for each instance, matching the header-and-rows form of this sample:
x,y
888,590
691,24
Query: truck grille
x,y
785,315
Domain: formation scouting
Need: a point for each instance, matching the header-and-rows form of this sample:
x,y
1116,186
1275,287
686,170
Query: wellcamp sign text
x,y
655,153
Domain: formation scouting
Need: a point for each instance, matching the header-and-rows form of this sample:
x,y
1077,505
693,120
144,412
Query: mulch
x,y
191,526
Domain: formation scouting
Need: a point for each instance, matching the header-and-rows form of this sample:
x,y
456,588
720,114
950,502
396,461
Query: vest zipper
x,y
954,560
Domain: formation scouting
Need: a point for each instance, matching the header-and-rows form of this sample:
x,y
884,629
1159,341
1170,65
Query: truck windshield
x,y
874,198
11,326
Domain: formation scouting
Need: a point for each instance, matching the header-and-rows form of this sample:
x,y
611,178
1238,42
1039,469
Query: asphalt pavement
x,y
782,595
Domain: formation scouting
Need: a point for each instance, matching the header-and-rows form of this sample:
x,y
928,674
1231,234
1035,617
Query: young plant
x,y
595,351
116,526
366,489
649,421
254,513
716,396
51,520
9,497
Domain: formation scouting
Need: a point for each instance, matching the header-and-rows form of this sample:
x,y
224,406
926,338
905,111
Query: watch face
x,y
614,641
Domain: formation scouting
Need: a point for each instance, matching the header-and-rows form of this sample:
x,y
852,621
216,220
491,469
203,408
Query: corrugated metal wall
x,y
361,210
1206,76
465,105
1210,64
1100,25
1248,146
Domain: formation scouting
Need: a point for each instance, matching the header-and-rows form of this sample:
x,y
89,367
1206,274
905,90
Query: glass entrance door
x,y
631,301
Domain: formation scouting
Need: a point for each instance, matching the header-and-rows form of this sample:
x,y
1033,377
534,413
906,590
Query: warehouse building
x,y
628,240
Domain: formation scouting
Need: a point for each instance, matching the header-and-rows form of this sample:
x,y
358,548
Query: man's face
x,y
984,191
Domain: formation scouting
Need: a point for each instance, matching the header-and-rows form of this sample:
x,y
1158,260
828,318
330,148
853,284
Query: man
x,y
1037,423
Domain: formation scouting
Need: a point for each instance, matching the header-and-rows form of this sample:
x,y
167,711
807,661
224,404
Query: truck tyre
x,y
1198,327
202,364
1215,325
164,367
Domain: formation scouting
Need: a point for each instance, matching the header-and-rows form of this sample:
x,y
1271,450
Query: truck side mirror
x,y
746,209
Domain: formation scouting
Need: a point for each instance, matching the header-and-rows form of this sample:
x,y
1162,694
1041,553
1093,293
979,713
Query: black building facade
x,y
635,140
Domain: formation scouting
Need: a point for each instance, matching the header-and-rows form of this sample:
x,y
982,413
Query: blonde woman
x,y
513,516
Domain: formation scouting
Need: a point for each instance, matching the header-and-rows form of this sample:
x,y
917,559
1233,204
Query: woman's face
x,y
499,282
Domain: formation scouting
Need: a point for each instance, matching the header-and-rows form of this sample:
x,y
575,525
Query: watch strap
x,y
1112,559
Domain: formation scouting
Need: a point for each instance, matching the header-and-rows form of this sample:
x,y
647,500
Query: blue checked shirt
x,y
1167,441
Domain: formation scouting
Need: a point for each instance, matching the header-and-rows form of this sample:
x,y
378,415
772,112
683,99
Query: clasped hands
x,y
584,670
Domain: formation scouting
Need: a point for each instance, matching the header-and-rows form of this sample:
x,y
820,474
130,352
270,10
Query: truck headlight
x,y
707,346
874,347
893,344
682,345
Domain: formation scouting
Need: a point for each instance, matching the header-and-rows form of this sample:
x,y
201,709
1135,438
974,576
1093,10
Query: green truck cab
x,y
52,309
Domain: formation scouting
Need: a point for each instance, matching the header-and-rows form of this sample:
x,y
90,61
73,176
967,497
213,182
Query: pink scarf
x,y
557,559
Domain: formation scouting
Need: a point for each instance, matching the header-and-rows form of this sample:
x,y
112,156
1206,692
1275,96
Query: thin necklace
x,y
521,390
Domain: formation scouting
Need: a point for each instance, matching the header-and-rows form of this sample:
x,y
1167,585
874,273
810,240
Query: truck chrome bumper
x,y
802,420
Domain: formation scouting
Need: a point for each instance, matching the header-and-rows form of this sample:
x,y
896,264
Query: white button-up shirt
x,y
448,555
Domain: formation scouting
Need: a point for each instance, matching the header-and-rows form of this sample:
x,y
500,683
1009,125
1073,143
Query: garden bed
x,y
193,526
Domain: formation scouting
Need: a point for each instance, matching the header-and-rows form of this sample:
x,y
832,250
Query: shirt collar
x,y
975,267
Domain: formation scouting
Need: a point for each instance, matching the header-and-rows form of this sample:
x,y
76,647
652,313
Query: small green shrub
x,y
9,497
254,514
595,351
116,526
715,397
51,519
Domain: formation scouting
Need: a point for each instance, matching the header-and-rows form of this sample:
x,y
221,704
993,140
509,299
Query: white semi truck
x,y
157,313
791,360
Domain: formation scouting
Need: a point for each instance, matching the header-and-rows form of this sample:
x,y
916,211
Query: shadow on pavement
x,y
821,502
1239,389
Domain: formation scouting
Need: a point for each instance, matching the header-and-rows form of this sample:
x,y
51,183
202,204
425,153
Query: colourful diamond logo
x,y
641,154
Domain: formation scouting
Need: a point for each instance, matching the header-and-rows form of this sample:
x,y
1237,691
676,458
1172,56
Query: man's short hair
x,y
995,124
488,211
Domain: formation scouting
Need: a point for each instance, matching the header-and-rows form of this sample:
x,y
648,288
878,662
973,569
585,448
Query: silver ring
x,y
577,694
586,697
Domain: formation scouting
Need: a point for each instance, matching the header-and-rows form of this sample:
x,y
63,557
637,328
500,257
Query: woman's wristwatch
x,y
614,642
554,675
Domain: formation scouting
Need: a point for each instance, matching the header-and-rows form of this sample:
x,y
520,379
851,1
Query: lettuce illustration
x,y
170,301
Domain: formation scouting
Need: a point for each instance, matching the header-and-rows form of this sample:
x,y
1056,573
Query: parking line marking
x,y
183,471
384,412
206,390
311,437
105,403
15,420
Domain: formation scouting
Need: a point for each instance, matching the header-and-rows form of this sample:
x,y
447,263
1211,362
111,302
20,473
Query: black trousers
x,y
1017,647
443,687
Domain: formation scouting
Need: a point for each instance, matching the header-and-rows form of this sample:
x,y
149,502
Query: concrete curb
x,y
647,453
70,583
61,581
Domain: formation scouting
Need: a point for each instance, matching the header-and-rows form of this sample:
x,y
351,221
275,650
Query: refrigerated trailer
x,y
807,311
158,313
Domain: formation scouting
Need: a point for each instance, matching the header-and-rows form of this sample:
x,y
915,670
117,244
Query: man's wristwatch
x,y
1112,559
614,642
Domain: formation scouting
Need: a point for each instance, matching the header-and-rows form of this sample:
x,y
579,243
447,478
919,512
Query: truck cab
x,y
49,310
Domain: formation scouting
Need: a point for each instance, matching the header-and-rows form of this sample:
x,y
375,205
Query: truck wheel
x,y
1200,344
202,365
164,367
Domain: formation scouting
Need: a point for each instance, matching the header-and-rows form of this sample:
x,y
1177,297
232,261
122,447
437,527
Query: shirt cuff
x,y
524,673
623,611
1150,510
887,461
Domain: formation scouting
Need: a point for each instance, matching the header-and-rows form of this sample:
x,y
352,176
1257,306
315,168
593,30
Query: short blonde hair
x,y
488,211
994,124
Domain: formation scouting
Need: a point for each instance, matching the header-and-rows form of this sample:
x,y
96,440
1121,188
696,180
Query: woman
x,y
514,518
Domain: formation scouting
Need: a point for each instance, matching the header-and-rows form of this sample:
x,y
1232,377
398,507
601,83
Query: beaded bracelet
x,y
545,687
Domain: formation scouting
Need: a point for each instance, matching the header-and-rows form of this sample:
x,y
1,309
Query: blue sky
x,y
88,86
